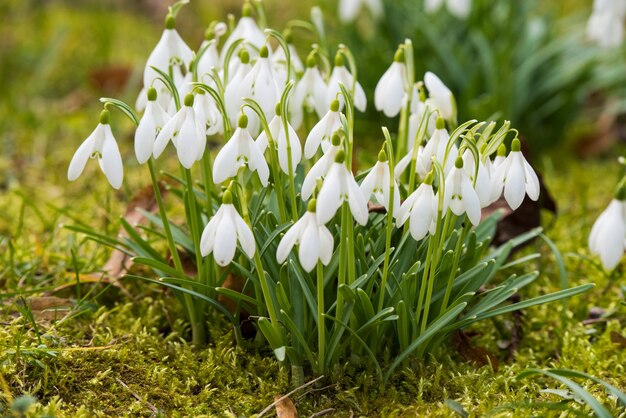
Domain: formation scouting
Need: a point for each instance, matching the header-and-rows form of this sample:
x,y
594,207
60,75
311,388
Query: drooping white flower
x,y
440,96
482,181
186,134
280,64
246,29
323,131
458,8
496,189
349,9
459,195
320,168
151,123
207,114
341,75
240,150
101,145
224,230
390,93
608,235
314,240
405,161
421,113
259,85
172,51
378,183
436,147
339,186
516,177
278,132
232,91
606,23
310,92
210,59
422,209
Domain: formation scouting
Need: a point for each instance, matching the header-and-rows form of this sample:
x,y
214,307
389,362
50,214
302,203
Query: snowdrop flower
x,y
436,148
459,195
339,186
390,92
153,120
224,230
320,168
378,183
278,134
322,131
516,177
170,50
405,161
211,58
207,114
246,29
607,238
492,166
239,151
419,111
482,182
349,9
440,96
259,85
422,208
281,65
606,24
310,92
341,75
101,145
186,134
458,8
231,93
314,240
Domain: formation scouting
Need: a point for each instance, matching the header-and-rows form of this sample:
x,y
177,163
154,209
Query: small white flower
x,y
233,100
516,177
237,152
310,92
170,50
259,85
246,29
606,23
323,131
460,196
152,121
459,8
278,133
440,96
224,230
405,161
390,93
349,9
482,183
315,241
207,114
436,148
101,145
211,58
280,64
320,169
339,186
419,111
341,75
607,238
186,134
492,166
422,208
378,183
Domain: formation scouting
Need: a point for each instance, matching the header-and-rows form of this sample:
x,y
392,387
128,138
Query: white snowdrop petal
x,y
291,237
207,240
356,200
309,250
514,189
82,155
531,181
225,241
328,199
326,245
471,202
111,161
226,164
244,234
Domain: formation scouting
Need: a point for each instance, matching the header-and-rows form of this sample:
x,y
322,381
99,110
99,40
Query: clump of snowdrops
x,y
369,268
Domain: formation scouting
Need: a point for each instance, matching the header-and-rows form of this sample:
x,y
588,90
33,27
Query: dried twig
x,y
277,401
153,408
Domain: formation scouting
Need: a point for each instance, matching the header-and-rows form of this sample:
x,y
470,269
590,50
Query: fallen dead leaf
x,y
618,339
478,355
285,407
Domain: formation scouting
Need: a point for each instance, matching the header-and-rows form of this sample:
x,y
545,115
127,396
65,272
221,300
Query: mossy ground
x,y
123,352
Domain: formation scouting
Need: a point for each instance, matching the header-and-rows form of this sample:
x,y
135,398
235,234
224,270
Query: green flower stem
x,y
166,225
455,265
321,327
258,263
420,300
341,277
194,221
389,226
292,183
440,237
207,178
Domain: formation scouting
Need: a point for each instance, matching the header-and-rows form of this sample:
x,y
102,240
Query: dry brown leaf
x,y
618,339
285,407
47,308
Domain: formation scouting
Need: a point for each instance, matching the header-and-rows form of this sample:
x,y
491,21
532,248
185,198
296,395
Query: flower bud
x,y
264,52
170,22
243,121
312,205
399,56
334,106
335,140
104,117
441,123
227,198
429,178
152,94
516,146
459,162
246,10
382,156
244,56
502,150
339,62
189,100
340,157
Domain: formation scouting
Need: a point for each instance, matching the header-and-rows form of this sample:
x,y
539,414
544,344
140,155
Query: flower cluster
x,y
284,178
606,23
608,234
